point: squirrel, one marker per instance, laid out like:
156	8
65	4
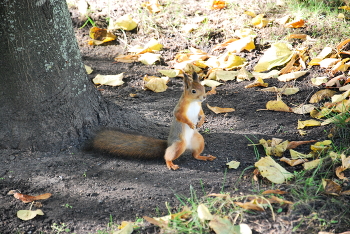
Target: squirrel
183	133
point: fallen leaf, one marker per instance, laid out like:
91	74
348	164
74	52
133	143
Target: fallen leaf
275	191
233	164
149	58
231	61
277	55
226	75
161	222
211	83
243	74
127	58
294	144
321	94
308	123
27	198
28	214
328	62
111	80
270	74
125	22
319	80
171	73
88	69
340	174
250	206
218	110
340	97
331	188
224	226
323	54
100	36
312	164
156	84
272	171
321	146
291	76
204	213
258	82
297	155
152	6
245	43
218	5
125	228
245	32
299	23
303	109
318	114
260	21
278	105
292	162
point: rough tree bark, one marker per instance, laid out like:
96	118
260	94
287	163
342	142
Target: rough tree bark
47	102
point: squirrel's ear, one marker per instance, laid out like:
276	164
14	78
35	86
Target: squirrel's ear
195	76
187	81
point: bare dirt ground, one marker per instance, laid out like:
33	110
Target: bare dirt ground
91	188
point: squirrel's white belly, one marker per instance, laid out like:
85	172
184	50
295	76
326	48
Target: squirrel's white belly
192	113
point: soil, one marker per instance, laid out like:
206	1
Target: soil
89	188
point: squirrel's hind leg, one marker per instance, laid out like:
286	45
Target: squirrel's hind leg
198	147
173	152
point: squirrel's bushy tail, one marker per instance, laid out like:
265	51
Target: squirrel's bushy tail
129	145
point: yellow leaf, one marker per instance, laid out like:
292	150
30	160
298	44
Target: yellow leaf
312	164
328	62
277	55
347	8
258	82
278	105
28	214
111	80
245	32
154	45
230	61
297	155
246	43
218	110
250	13
225	75
126	228
324	53
243	74
321	94
340	97
270	74
260	21
272	171
149	58
320	114
204	213
211	83
345	161
125	22
233	164
156	84
218	5
88	69
171	73
303	109
291	76
308	123
319	80
321	146
152	6
127	58
225	226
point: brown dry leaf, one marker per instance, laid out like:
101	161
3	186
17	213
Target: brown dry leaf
294	144
275	199
160	223
331	188
335	81
127	58
212	91
100	36
218	110
224	196
27	198
292	162
218	5
275	191
322	94
341	45
152	6
250	206
298	36
299	23
340	174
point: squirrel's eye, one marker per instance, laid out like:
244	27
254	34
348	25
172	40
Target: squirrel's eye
194	91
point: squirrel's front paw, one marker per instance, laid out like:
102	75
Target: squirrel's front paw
192	126
171	165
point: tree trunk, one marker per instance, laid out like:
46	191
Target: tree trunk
47	102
